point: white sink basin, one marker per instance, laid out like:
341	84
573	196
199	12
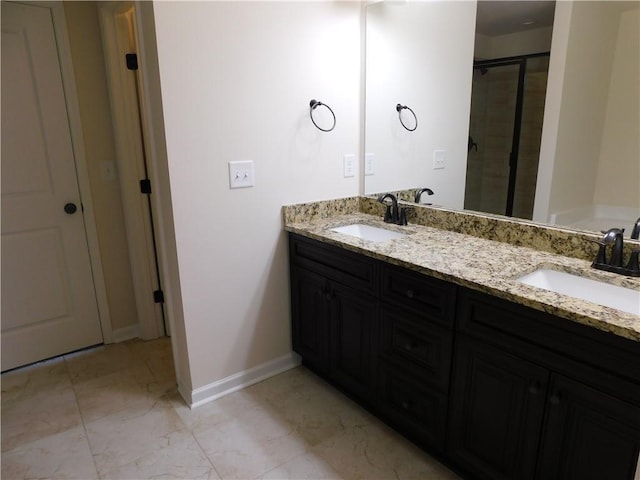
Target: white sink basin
369	233
602	293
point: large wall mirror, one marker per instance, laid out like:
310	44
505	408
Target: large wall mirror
523	108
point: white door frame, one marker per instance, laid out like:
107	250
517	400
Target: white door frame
130	127
77	140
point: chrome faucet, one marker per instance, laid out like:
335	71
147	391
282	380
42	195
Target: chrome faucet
393	213
420	192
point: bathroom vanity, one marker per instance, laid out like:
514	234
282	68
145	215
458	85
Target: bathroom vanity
432	334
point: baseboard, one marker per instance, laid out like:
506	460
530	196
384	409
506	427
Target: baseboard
240	380
125	333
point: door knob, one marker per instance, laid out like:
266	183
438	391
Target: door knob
70	208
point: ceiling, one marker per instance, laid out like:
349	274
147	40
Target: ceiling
502	17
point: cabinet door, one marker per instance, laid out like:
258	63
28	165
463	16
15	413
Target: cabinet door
309	318
588	435
353	329
497	409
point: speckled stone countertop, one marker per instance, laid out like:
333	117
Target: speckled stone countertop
467	260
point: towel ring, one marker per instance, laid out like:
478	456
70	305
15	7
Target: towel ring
399	109
315	103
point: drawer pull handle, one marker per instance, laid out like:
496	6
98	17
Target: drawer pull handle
534	388
410	294
406	405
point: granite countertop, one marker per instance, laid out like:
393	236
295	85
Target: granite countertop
478	263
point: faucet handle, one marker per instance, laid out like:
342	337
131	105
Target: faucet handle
635	231
633	267
387	213
402	220
601	257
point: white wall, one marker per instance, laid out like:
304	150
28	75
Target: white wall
419	54
618	176
584	46
236	80
536	40
161	199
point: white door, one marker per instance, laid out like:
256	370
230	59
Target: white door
48	299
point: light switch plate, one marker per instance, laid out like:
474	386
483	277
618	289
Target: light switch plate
241	174
368	163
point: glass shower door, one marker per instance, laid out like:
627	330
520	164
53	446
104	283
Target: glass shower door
507	107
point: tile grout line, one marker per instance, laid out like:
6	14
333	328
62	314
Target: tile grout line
84	425
202	449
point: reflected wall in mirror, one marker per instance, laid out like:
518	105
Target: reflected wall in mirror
589	171
421	54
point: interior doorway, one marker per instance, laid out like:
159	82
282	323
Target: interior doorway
49	297
121	46
23	292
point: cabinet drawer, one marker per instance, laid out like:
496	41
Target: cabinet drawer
415	343
427	296
412	409
346	267
502	322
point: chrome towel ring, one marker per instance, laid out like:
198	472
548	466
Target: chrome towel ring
399	109
312	106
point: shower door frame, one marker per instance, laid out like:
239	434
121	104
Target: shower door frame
521	61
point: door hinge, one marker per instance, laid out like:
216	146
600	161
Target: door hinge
132	61
158	296
145	186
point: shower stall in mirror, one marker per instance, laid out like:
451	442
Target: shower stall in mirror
505	129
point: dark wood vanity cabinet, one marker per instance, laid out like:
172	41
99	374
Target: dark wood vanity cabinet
414	354
352	329
538	397
310	311
496	412
501	391
384	334
587	434
334	312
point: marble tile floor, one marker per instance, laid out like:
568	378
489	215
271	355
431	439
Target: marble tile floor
114	412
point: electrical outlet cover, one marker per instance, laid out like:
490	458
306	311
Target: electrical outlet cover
368	164
349	164
439	158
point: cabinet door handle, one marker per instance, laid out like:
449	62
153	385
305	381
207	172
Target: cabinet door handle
410	293
534	388
555	398
406	405
409	346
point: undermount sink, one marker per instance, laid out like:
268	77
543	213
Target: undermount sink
602	293
368	232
